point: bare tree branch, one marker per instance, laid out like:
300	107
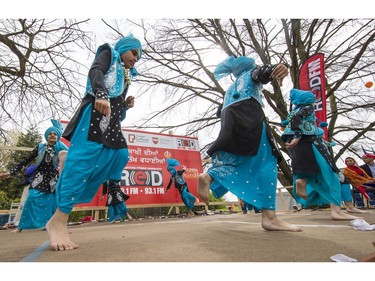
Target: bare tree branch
40	75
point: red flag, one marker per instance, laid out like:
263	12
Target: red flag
312	78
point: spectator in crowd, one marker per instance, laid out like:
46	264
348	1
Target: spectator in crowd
360	179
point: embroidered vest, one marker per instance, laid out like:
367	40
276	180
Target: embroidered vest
42	151
243	88
114	77
307	127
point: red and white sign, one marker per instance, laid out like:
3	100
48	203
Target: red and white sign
312	78
146	177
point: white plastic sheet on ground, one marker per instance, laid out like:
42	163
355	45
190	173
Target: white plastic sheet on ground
361	224
342	258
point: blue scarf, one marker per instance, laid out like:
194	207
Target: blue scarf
237	66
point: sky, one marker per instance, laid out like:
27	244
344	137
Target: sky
193	8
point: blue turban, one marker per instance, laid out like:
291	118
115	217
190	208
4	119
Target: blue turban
299	97
171	164
237	66
57	128
126	44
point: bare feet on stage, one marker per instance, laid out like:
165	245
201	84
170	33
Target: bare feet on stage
58	232
204	182
301	188
190	213
16	230
271	222
130	218
337	214
355	210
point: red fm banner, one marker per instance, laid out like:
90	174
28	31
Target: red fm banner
146	177
312	78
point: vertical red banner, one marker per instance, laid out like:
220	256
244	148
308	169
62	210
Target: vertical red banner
312	78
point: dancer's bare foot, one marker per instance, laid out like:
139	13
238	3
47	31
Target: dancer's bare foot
355	210
350	208
204	182
343	216
16	230
301	188
337	214
190	214
271	222
58	232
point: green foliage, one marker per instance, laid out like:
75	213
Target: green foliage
4	201
78	216
214	199
30	139
11	186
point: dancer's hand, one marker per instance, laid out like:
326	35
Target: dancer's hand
279	73
129	102
103	106
292	144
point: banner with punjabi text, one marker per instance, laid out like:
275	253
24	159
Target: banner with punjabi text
145	177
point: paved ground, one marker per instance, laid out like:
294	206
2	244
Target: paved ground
215	238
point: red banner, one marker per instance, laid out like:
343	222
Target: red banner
312	78
146	177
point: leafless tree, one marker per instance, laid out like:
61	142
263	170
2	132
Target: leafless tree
39	70
177	71
178	64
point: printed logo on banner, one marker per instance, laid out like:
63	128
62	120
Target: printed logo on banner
186	144
131	138
141	178
138	139
167	154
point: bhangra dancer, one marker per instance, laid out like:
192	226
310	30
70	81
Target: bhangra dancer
244	156
315	175
179	182
98	150
40	202
116	198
